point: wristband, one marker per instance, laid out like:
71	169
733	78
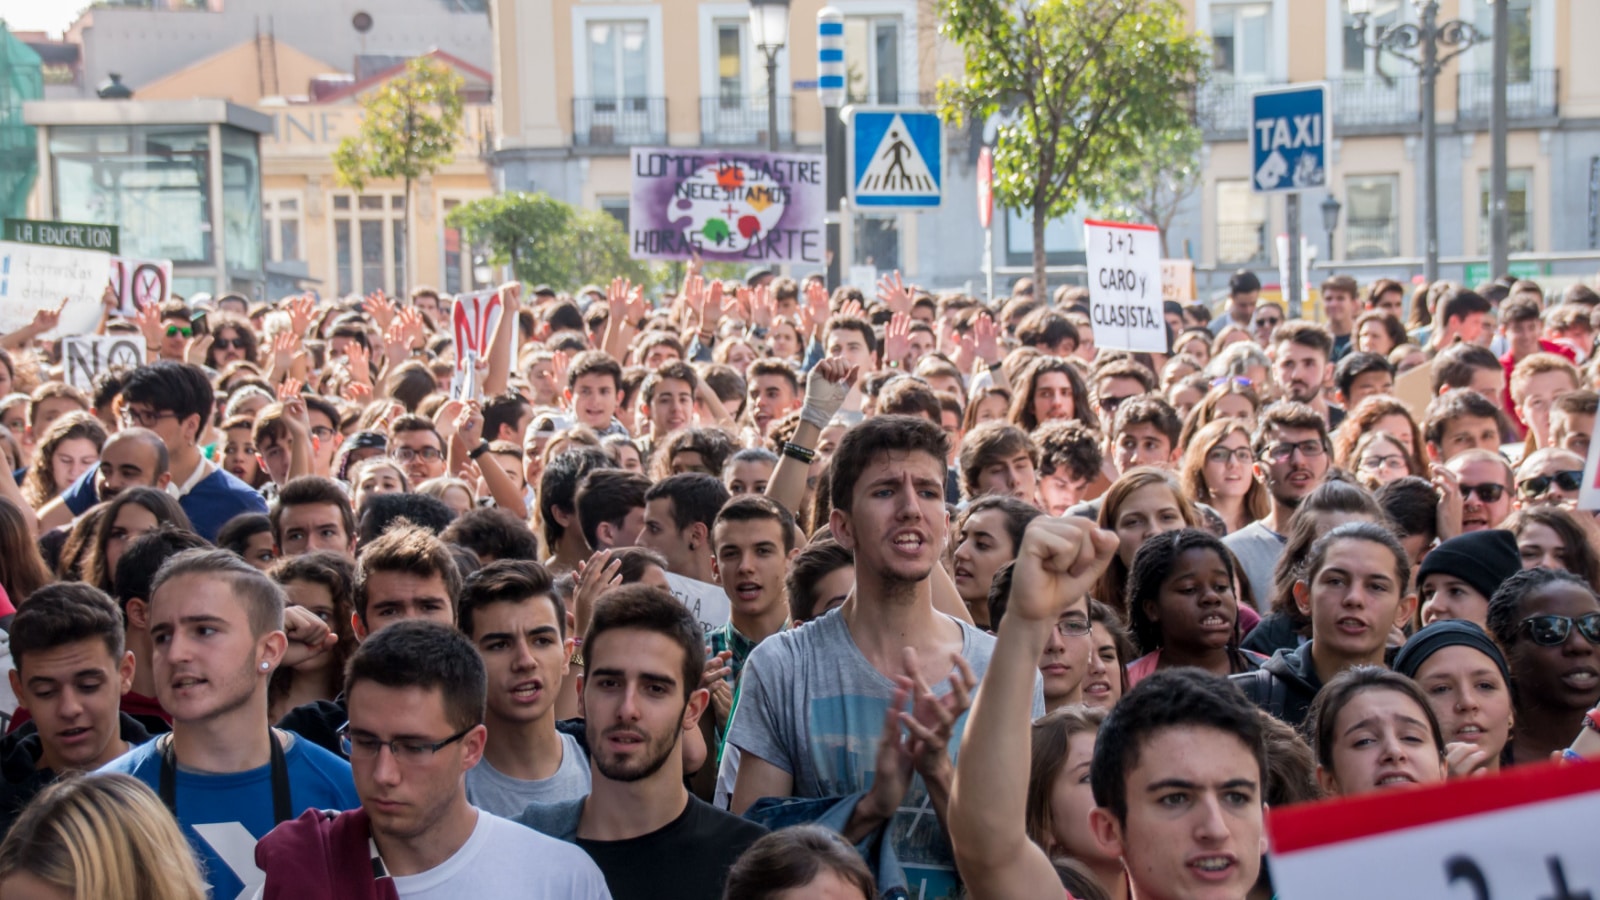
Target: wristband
1570	755
481	449
795	451
997	365
1591	720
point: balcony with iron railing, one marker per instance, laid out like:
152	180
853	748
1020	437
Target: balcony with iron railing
1519	233
741	120
1222	108
1375	101
1241	244
1375	238
615	122
1535	96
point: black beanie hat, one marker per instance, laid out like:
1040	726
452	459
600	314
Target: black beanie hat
1483	559
1447	633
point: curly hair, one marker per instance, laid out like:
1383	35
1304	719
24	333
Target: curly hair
1153	566
1364	418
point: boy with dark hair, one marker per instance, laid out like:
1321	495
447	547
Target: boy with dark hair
753	538
669	394
505	417
1339	306
558	507
381	511
1459	420
594	389
774	391
1473	367
415	443
1460	318
417	696
640	694
655	349
1572	421
511	612
1244	289
1361	375
1145	433
999	458
70	671
678	515
1302	352
283	443
175	401
492	533
908	395
1049	332
313	513
217	628
1411	505
1069	460
136	572
610	506
1116	381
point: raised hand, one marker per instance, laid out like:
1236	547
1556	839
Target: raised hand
149	321
595	575
853	309
986	339
892	293
1058	562
195	349
357	393
827	385
469	424
815	311
358	360
302	310
1448	518
763	308
897	339
381	308
47	319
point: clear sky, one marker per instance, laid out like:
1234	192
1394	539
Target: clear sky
41	15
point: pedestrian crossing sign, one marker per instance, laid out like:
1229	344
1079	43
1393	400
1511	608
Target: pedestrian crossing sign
896	158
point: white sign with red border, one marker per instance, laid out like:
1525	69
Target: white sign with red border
1125	286
1589	493
1526	834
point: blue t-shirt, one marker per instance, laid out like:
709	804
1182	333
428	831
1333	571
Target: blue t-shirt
217	498
224	815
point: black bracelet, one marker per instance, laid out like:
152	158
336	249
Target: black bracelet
997	365
795	451
481	449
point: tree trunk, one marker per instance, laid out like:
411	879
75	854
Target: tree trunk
1040	290
405	241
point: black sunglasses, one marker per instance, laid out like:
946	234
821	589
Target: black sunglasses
1488	492
1569	480
1552	631
229	343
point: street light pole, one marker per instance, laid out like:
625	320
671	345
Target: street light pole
1426	37
1499	226
769	25
772	98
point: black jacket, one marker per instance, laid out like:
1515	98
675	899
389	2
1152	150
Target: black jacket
21	779
1285	685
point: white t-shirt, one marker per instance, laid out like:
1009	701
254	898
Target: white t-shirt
504	859
708	602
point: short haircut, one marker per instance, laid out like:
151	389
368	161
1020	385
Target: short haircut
55	390
1456	404
65	613
650	340
856	324
142	559
1521	309
1306	334
1357	364
1582	402
263	599
988	444
712	443
1342	283
309	490
380	512
1460	304
695	496
607	495
907	395
864	442
411	550
815	561
1124	368
1243	282
269	426
166	386
1149	409
792	859
756	508
235	534
426	655
773	367
1538	364
1456	364
1478	454
148	438
415	423
1170	698
492	533
644	608
1046	328
594	362
558	487
1287	414
1070	445
1411	506
563	316
508	581
503	409
677	371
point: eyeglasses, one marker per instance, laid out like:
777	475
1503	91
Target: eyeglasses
1073	627
1268	323
175	330
405	752
143	419
229	343
1569	480
406	454
1392	462
321	432
1221	456
1552	631
1283	452
1488	492
1235	379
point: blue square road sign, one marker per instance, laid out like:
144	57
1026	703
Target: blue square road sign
1289	133
896	158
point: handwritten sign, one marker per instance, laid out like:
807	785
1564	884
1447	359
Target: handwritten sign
727	207
35	277
475	318
1125	286
139	283
1520	835
87	357
1177	280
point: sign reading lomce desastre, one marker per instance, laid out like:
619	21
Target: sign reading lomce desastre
726	206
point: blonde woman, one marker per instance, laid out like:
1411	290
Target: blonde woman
98	837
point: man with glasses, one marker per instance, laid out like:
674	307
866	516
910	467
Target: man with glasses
1551	476
1291	451
1484	478
418	447
416	727
173	400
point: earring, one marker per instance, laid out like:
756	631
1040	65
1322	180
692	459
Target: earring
266	666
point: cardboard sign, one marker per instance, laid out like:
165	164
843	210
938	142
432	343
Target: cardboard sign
1589	494
86	357
1526	834
1125	286
35	277
139	283
1177	280
729	206
1415	390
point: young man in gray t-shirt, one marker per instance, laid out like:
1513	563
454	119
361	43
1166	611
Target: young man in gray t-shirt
823	705
510	611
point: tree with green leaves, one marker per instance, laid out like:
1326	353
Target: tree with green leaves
409	129
546	241
1152	185
1078	84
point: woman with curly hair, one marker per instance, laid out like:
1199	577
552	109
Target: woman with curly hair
1379	413
1218	469
1051	389
232	340
71	446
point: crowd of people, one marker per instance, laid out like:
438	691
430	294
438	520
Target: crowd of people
757	590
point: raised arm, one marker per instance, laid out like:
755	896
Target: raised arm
504	339
1059	560
826	387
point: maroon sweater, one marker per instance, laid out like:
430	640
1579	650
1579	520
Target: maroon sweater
322	855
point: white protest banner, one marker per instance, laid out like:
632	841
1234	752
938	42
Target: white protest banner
1524	834
35	277
139	283
475	318
1177	280
1125	286
86	357
1589	494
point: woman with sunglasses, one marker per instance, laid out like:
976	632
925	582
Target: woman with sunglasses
232	340
1555	538
1548	623
1266	320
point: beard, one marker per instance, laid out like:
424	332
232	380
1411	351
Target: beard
657	749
